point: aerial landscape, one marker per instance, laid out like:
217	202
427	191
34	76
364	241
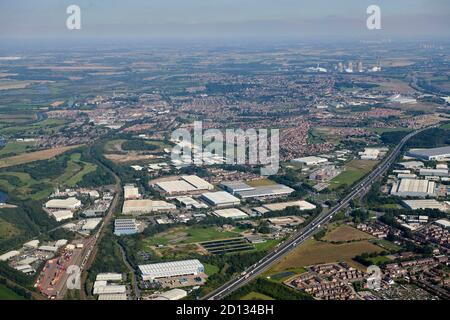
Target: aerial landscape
228	169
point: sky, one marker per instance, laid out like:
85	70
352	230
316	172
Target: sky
224	19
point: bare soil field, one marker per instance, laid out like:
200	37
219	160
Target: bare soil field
317	252
345	233
34	156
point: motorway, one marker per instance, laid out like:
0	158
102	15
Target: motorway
301	236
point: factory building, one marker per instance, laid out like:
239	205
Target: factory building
154	271
174	294
125	227
231	213
414	188
131	192
300	204
443	223
62	215
189	203
220	199
146	206
91	224
437	154
235	186
109	277
63	204
186	185
266	192
310	161
424	204
434	172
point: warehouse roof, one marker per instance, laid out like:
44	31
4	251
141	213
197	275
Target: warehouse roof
431	152
63	203
220	197
301	204
171	269
232	213
197	182
266	191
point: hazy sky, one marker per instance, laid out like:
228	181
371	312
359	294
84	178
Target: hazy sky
224	18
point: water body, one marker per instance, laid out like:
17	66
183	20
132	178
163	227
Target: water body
3	197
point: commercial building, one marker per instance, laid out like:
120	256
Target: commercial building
220	199
300	204
265	192
231	213
113	296
310	161
414	188
235	186
434	172
370	153
62	215
63	204
91	224
174	294
185	185
412	164
9	255
146	206
109	277
131	192
430	154
110	289
154	271
424	204
125	227
189	203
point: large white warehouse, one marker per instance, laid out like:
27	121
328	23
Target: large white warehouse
154	271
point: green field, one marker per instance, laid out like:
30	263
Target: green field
15	148
354	171
256	296
386	244
24	186
8	294
184	235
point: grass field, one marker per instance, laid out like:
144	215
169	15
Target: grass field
183	235
346	233
34	156
7	230
386	244
8	294
14	148
354	171
256	296
316	252
24	186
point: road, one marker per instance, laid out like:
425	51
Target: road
98	236
304	234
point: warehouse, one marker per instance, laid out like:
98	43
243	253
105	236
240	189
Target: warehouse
414	188
300	204
125	227
189	203
424	204
185	185
63	204
434	172
61	215
220	199
146	206
231	213
266	192
235	186
154	271
9	255
91	224
109	277
113	296
131	192
174	294
310	161
430	154
110	289
198	182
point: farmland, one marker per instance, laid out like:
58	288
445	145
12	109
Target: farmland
316	252
346	233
